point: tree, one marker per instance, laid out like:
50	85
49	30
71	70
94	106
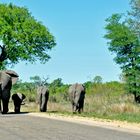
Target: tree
22	37
134	16
57	83
123	33
97	79
38	81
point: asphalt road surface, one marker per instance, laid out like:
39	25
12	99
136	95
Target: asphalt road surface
26	127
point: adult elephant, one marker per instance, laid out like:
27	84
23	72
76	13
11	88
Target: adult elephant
77	96
7	79
42	97
18	99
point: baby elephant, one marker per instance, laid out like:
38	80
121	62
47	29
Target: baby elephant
18	99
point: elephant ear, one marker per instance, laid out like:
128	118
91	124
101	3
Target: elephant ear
13	75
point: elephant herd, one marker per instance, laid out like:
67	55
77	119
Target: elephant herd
8	78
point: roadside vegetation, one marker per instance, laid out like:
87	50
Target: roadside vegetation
108	100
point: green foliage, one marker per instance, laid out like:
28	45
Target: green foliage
97	79
60	94
134	16
103	100
58	91
23	37
88	85
29	89
113	88
125	43
38	81
57	83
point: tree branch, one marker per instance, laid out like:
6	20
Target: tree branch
3	55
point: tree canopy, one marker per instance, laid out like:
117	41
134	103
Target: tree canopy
22	37
97	79
123	33
39	81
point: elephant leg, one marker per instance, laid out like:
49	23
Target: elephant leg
81	105
17	108
43	108
77	108
5	106
44	104
0	106
74	107
40	101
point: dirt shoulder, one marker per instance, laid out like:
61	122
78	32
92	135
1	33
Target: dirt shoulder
116	125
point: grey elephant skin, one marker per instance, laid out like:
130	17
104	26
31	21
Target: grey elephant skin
7	79
18	99
42	98
77	96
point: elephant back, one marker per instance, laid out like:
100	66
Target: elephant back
42	90
76	92
5	80
45	90
14	76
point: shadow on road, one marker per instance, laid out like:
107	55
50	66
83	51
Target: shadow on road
14	114
17	113
52	112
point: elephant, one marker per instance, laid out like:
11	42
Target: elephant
42	97
18	99
77	96
7	79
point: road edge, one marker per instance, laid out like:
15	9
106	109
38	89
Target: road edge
108	124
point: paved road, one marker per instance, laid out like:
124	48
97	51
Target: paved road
26	127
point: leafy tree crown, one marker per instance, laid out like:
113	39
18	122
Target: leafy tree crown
22	37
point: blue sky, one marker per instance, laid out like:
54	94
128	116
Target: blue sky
78	26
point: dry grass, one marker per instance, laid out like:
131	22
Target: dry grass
120	107
51	107
93	103
113	104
